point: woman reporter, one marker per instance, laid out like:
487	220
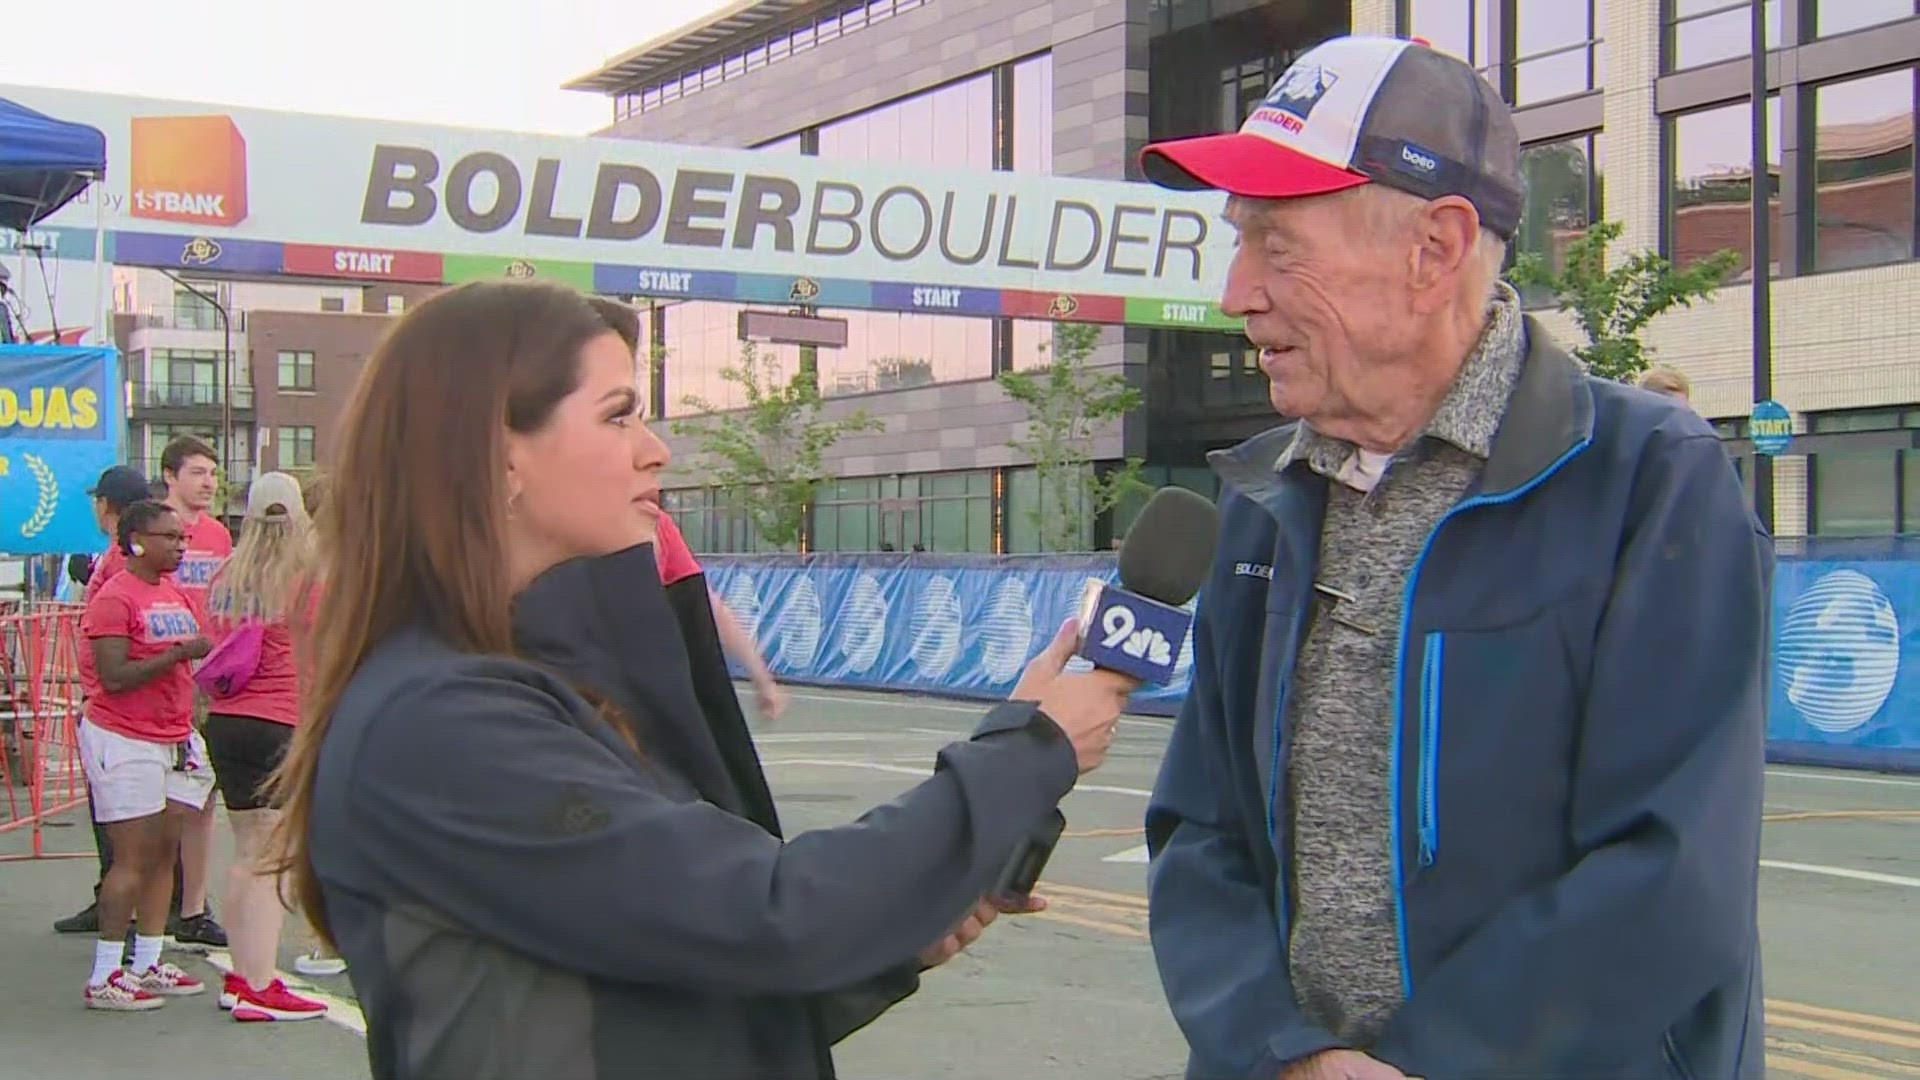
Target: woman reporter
542	849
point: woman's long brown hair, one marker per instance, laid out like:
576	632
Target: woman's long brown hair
412	530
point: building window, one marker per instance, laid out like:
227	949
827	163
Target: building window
1867	492
1025	497
295	447
187	378
845	19
191	311
950	126
950	512
333	304
296	370
1456	27
1708	31
1557	49
1863	193
713	521
956	511
1840	16
1562	182
1033	115
1709	176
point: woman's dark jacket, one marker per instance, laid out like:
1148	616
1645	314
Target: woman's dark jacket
519	894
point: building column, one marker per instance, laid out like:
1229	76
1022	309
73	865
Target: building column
1374	17
1630	143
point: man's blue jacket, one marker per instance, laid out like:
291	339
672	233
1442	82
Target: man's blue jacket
1579	730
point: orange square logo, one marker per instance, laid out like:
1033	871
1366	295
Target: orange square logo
190	169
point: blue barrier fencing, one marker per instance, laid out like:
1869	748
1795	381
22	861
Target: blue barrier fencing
959	625
1846	623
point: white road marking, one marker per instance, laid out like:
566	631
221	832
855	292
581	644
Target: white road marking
1842	872
1844	778
827	737
1131	855
905	770
340	1011
974	710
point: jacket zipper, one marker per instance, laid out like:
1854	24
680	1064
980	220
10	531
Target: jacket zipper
1430	749
1397	814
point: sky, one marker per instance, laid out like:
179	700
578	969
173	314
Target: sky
480	63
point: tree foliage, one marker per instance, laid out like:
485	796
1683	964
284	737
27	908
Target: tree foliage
769	454
1613	305
1065	402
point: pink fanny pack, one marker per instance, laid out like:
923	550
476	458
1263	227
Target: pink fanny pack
230	666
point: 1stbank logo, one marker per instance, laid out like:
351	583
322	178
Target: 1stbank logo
190	169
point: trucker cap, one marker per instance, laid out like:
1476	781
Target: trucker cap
1358	110
121	486
275	495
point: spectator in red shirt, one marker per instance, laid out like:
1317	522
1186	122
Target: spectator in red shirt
677	564
118	488
191	473
147	769
267	583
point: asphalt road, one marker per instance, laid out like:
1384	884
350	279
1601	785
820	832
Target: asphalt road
1070	993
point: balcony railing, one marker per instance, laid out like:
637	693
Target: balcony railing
192	395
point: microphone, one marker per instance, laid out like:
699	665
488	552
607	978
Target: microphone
1136	627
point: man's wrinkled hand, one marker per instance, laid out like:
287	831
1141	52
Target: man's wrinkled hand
1341	1065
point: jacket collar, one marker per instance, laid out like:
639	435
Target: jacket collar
1549	415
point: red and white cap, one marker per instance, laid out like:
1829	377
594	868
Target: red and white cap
1359	110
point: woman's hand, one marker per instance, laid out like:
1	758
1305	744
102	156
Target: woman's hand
1085	705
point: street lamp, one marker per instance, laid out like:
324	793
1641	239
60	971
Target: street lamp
226	367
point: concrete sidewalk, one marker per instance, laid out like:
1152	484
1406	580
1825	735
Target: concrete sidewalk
47	1031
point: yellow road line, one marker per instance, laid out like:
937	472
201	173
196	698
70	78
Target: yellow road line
1848	1057
1050	888
1083	834
1814	1069
1842	1031
1102	925
1821	1011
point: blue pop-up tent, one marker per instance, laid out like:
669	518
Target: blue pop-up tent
44	163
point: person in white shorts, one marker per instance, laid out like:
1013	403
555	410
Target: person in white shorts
147	769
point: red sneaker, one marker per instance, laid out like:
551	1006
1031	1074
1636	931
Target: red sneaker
122	993
230	988
275	1002
165	980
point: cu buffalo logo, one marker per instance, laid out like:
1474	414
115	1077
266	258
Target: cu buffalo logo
1063	307
805	290
199	251
520	268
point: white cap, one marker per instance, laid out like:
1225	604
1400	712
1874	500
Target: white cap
275	495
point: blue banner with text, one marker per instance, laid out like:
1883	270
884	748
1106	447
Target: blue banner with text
961	625
60	427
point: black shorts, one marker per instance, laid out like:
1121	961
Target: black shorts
245	751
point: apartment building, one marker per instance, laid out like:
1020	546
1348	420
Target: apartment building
1632	110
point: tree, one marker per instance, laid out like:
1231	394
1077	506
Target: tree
769	453
1064	402
1613	305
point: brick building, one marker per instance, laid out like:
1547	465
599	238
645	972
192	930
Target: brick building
1632	109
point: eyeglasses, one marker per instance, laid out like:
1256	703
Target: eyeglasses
176	536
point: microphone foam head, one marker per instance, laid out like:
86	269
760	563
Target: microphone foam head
1168	551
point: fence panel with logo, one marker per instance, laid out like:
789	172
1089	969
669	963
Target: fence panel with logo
1846	654
1846	620
961	625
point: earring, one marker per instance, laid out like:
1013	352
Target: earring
513	504
139	550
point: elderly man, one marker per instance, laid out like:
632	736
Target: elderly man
1468	784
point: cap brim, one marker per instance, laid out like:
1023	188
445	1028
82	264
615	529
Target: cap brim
1245	165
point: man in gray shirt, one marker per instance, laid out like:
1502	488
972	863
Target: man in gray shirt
1468	781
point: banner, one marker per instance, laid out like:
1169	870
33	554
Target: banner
57	289
960	625
1846	618
246	190
60	426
